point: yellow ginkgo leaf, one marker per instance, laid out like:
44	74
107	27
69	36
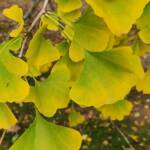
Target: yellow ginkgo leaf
117	13
144	26
106	77
68	5
7	119
144	84
12	86
84	39
40	52
15	13
116	111
52	93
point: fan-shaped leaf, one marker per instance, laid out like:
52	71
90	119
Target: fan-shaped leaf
106	77
75	118
15	13
53	93
90	33
7	119
116	111
117	13
40	52
68	5
12	87
144	84
48	136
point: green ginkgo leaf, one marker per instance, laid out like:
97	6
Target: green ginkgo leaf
68	5
117	111
53	93
75	118
40	52
106	77
48	136
12	87
144	84
90	33
117	13
15	13
143	24
7	119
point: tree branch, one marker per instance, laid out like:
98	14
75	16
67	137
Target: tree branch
122	134
32	26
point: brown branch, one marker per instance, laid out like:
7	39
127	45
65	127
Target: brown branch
32	26
2	137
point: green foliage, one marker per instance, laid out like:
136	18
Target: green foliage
94	65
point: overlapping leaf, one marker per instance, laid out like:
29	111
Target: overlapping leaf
75	118
68	5
116	111
7	119
117	13
48	136
106	77
90	33
144	84
15	13
40	52
12	87
53	93
143	24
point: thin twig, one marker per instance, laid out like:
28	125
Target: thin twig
29	12
32	26
2	137
122	134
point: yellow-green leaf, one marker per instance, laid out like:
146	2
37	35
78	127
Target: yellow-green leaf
117	13
48	136
107	77
116	111
7	119
40	52
15	13
12	87
143	24
53	93
75	118
144	84
90	33
68	5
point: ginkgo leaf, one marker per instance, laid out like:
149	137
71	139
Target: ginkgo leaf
107	77
70	17
7	119
140	48
48	136
144	84
143	24
40	52
117	111
53	93
50	21
117	13
75	118
68	5
74	67
83	38
15	13
12	87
